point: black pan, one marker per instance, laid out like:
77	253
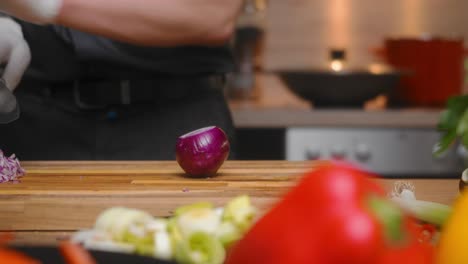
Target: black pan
51	255
325	88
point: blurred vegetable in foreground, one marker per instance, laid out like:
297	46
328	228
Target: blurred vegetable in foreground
453	243
70	252
75	254
463	180
11	256
197	233
336	214
430	212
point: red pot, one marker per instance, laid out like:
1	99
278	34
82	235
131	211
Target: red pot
434	65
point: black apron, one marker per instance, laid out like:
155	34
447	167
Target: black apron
73	104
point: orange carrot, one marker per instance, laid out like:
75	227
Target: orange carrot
75	254
10	256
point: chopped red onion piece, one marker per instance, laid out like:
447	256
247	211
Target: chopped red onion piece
10	168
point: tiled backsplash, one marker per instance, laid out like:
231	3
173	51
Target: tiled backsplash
300	32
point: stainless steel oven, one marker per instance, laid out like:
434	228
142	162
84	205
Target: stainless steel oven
392	152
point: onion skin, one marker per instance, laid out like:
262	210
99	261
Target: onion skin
202	152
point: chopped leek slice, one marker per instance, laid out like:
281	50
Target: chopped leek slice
434	213
227	234
240	212
144	245
117	221
201	205
162	246
200	248
197	233
198	220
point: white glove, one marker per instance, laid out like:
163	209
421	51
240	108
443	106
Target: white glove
36	11
14	52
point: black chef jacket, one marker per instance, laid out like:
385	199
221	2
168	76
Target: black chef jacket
53	126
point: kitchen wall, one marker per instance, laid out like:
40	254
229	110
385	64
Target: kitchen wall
300	32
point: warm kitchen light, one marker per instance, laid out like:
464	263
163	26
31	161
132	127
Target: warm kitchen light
337	59
378	68
336	65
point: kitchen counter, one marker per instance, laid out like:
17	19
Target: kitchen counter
57	198
274	106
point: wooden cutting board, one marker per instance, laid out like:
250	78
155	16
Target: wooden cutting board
67	196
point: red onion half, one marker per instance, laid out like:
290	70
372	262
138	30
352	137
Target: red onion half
201	153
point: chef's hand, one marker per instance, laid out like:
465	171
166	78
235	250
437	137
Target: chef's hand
14	51
36	11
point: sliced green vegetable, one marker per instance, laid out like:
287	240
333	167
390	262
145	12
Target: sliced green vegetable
127	226
198	220
197	233
106	219
240	212
430	212
144	245
200	205
157	225
390	216
174	233
228	233
200	248
135	220
163	246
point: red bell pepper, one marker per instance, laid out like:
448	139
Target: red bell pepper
336	214
416	248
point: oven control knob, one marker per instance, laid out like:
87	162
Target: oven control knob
313	154
362	152
338	152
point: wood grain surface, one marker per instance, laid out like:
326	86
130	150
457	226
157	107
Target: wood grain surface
56	198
